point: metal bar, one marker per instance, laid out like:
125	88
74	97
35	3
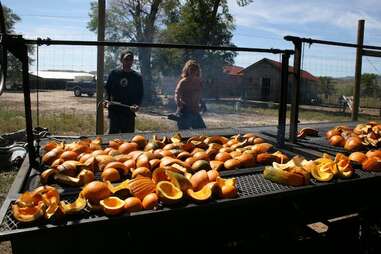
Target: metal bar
283	101
371	53
100	67
356	89
332	43
27	105
154	45
294	117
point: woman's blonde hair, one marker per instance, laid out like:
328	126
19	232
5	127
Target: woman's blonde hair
191	66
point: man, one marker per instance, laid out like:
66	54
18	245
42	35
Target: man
124	86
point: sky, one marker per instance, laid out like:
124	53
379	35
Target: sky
262	24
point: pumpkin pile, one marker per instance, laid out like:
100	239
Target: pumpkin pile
362	136
74	164
129	196
44	202
298	171
30	206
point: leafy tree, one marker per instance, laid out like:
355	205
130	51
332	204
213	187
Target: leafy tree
205	22
133	21
14	66
10	19
14	71
193	21
327	86
369	85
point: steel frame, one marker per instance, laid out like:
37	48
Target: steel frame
298	42
17	45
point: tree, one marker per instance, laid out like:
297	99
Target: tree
205	22
134	21
141	21
14	66
14	70
369	85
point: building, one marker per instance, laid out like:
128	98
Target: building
57	79
262	80
228	84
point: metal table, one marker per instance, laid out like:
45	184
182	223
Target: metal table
269	211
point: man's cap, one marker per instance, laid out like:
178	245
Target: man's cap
126	53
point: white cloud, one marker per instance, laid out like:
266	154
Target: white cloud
63	32
342	14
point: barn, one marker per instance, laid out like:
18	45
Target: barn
262	80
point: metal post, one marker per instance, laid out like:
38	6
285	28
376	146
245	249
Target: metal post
295	92
27	105
100	67
283	101
356	89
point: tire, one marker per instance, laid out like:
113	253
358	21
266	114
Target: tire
90	94
77	92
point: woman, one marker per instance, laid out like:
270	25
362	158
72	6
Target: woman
188	97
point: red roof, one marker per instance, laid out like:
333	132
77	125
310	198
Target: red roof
233	70
304	74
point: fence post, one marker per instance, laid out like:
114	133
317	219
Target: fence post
100	68
27	104
356	89
295	92
283	101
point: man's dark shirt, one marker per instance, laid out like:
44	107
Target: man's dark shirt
124	87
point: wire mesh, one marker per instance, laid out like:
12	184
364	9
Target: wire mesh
330	95
232	99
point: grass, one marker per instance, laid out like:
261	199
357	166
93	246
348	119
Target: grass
69	123
147	124
305	115
64	123
6	179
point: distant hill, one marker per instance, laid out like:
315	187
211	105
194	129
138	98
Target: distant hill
345	78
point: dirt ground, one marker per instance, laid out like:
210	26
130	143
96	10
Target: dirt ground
154	117
65	101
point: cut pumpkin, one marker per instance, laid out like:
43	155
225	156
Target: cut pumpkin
323	173
202	195
179	180
71	208
141	187
168	193
112	205
28	214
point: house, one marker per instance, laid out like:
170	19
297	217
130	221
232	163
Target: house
262	80
57	79
228	84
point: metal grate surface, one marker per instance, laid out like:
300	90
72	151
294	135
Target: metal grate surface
322	145
255	185
250	186
316	143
